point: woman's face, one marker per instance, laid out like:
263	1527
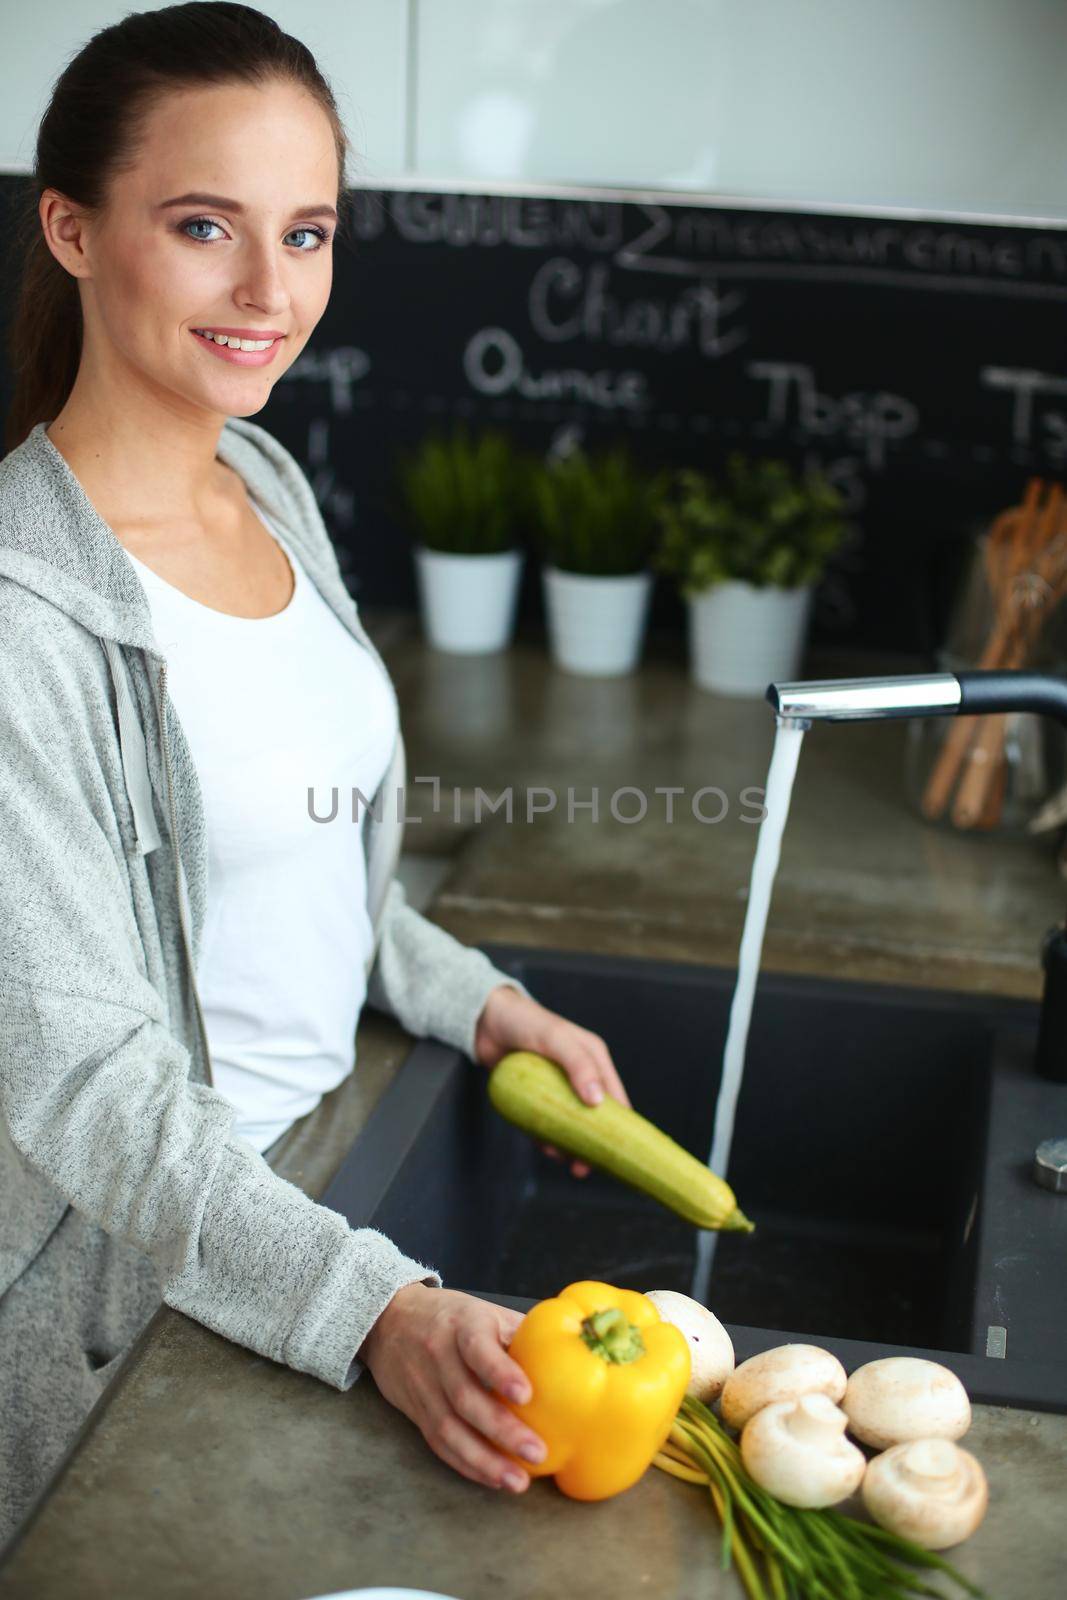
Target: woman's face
258	255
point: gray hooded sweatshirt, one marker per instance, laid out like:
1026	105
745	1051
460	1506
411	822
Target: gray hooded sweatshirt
106	1097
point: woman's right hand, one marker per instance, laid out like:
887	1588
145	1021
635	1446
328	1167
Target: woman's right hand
437	1355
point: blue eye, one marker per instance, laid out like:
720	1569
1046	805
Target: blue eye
320	234
193	222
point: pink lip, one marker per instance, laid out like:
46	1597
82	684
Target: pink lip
240	358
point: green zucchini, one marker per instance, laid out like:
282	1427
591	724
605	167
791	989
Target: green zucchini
536	1095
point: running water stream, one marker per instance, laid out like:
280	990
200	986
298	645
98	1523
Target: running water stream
789	735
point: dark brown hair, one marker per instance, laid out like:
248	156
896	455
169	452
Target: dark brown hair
90	133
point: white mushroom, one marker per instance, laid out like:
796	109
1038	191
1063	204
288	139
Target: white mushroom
798	1451
784	1373
905	1397
711	1349
928	1490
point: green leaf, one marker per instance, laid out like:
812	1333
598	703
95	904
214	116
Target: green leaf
761	522
462	494
595	513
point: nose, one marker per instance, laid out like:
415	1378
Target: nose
263	284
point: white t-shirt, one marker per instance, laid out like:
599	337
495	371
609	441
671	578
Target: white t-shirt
270	707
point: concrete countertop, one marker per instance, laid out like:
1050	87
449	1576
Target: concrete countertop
208	1471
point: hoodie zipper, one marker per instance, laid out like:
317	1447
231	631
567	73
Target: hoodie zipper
177	871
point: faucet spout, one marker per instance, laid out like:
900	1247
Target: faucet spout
857	699
926	694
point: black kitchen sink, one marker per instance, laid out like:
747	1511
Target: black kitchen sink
882	1147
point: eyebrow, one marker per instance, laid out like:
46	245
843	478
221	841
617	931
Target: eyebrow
237	208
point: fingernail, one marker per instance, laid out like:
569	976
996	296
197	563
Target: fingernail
516	1391
532	1452
594	1094
515	1480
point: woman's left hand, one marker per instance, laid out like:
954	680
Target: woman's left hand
513	1021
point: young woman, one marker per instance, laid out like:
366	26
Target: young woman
184	950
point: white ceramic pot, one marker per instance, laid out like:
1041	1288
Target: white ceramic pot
468	601
741	638
596	625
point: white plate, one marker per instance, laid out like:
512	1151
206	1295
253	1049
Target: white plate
384	1594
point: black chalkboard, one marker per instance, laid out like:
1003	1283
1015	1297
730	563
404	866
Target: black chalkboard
919	361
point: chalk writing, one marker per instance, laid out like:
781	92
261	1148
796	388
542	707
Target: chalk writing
567	301
335	499
871	419
848	242
1033	420
494	364
339	367
524	222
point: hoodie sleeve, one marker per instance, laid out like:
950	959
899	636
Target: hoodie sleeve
432	983
95	1086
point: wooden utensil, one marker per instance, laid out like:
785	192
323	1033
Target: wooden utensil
1047	566
1009	537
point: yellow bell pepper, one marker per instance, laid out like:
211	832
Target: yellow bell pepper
607	1375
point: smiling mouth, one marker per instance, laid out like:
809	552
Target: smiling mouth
232	342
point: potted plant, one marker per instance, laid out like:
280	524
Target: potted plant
594	519
746	552
460	495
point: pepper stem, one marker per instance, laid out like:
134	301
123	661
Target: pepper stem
612	1337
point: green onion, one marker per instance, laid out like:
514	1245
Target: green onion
783	1552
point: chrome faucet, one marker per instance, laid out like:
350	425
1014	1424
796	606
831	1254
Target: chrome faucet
925	694
933	694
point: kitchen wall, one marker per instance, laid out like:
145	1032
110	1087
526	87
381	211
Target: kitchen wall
734	152
951	106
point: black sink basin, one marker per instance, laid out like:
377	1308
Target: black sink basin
882	1147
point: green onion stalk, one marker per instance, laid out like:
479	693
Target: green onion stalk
783	1552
